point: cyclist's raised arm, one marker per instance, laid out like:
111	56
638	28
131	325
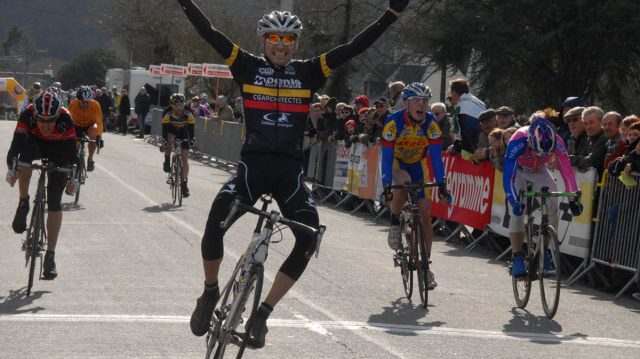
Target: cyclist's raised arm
564	165
514	150
367	37
215	38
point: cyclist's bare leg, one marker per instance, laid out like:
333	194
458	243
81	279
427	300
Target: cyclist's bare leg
54	222
23	181
516	238
281	285
92	132
399	195
211	269
425	214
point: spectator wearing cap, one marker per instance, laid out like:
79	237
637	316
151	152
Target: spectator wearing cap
611	126
439	110
382	110
506	118
578	138
488	123
562	127
466	127
360	102
350	133
593	153
395	96
223	111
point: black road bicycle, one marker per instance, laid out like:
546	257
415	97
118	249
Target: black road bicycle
36	239
81	173
174	178
538	239
247	278
413	256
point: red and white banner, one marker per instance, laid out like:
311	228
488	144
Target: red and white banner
471	187
155	69
194	69
215	70
174	70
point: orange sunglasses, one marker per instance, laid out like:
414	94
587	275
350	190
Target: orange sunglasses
286	39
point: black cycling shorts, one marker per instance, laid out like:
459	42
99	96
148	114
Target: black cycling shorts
82	130
262	174
179	134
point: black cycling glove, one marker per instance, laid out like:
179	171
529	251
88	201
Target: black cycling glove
575	207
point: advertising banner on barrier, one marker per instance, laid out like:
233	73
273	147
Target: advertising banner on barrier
353	172
368	172
341	168
574	233
471	187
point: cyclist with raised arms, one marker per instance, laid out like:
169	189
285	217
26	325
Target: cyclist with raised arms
44	130
527	154
178	123
276	92
87	118
407	137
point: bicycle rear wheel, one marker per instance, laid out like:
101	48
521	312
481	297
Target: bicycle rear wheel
422	266
522	286
550	278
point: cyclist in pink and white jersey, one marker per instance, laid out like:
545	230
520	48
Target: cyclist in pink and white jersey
527	154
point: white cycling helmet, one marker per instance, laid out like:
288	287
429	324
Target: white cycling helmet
85	93
279	22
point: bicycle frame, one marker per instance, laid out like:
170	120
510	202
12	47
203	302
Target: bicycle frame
247	276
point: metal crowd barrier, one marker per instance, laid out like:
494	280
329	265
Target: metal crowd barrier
616	239
217	140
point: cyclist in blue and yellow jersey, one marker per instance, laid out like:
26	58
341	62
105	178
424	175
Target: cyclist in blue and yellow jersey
276	92
178	123
44	130
87	118
408	136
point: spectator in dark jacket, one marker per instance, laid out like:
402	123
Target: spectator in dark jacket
611	126
439	110
351	133
578	138
623	145
631	160
595	150
106	104
124	110
142	104
560	122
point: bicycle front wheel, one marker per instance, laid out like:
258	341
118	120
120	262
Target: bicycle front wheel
229	334
550	271
422	264
522	286
174	180
179	178
259	276
403	258
33	239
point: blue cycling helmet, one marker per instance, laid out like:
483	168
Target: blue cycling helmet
542	136
416	89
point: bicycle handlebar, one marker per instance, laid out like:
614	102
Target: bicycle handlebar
414	185
544	192
274	217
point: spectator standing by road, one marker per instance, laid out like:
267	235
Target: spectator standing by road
124	111
578	138
488	123
439	110
593	153
467	108
395	96
506	118
611	124
142	104
223	112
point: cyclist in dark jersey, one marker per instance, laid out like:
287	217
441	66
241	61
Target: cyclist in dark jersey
44	130
276	93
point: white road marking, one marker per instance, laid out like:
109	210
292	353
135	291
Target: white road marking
337	325
292	293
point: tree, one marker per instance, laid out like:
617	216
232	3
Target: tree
532	54
89	68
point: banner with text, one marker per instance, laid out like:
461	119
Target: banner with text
174	70
471	187
216	70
